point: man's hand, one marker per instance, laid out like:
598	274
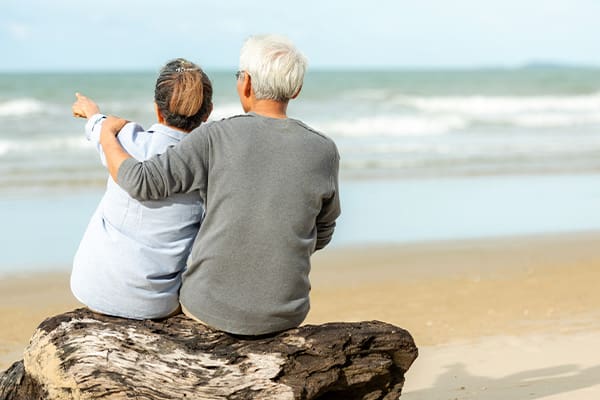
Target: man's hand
112	125
113	151
84	107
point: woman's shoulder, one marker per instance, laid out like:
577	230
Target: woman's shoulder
135	140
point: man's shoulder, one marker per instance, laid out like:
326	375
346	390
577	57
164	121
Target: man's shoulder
313	130
209	127
234	119
211	131
317	135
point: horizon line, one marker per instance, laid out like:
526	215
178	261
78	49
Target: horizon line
327	68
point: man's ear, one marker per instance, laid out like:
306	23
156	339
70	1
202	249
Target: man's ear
247	85
297	93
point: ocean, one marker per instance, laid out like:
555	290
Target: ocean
425	154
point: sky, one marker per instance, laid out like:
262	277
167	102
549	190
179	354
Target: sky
69	35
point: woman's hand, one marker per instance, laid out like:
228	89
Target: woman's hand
84	107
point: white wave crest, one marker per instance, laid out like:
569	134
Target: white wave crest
43	145
367	94
485	106
394	125
4	148
555	120
132	105
225	110
20	107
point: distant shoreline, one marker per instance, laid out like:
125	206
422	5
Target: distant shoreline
535	65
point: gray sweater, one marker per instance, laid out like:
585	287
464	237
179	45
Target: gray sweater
270	188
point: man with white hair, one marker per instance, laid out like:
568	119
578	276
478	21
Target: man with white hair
270	187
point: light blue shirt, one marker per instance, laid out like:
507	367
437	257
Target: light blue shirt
130	260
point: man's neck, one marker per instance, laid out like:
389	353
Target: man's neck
270	108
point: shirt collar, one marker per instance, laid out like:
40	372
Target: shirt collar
168	131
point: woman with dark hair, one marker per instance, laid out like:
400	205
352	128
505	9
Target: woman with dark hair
130	260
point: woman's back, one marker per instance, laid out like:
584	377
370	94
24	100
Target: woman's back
130	260
131	257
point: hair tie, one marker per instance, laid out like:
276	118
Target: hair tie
181	69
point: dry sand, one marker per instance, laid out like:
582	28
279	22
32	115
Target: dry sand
515	318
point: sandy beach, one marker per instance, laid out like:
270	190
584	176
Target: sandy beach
514	318
510	318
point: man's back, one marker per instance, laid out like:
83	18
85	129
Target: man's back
267	181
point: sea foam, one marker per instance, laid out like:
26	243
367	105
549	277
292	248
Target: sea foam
478	106
225	110
20	107
393	125
37	145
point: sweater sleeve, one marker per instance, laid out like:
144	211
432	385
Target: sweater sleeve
131	137
181	169
330	209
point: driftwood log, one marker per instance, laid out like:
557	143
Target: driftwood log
84	355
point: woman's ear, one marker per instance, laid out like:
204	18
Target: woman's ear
205	117
159	116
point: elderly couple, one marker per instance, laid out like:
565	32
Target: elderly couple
216	219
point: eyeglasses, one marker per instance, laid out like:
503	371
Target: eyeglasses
239	74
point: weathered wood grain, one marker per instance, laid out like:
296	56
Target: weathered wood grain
84	355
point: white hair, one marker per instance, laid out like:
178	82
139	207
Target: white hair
275	66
